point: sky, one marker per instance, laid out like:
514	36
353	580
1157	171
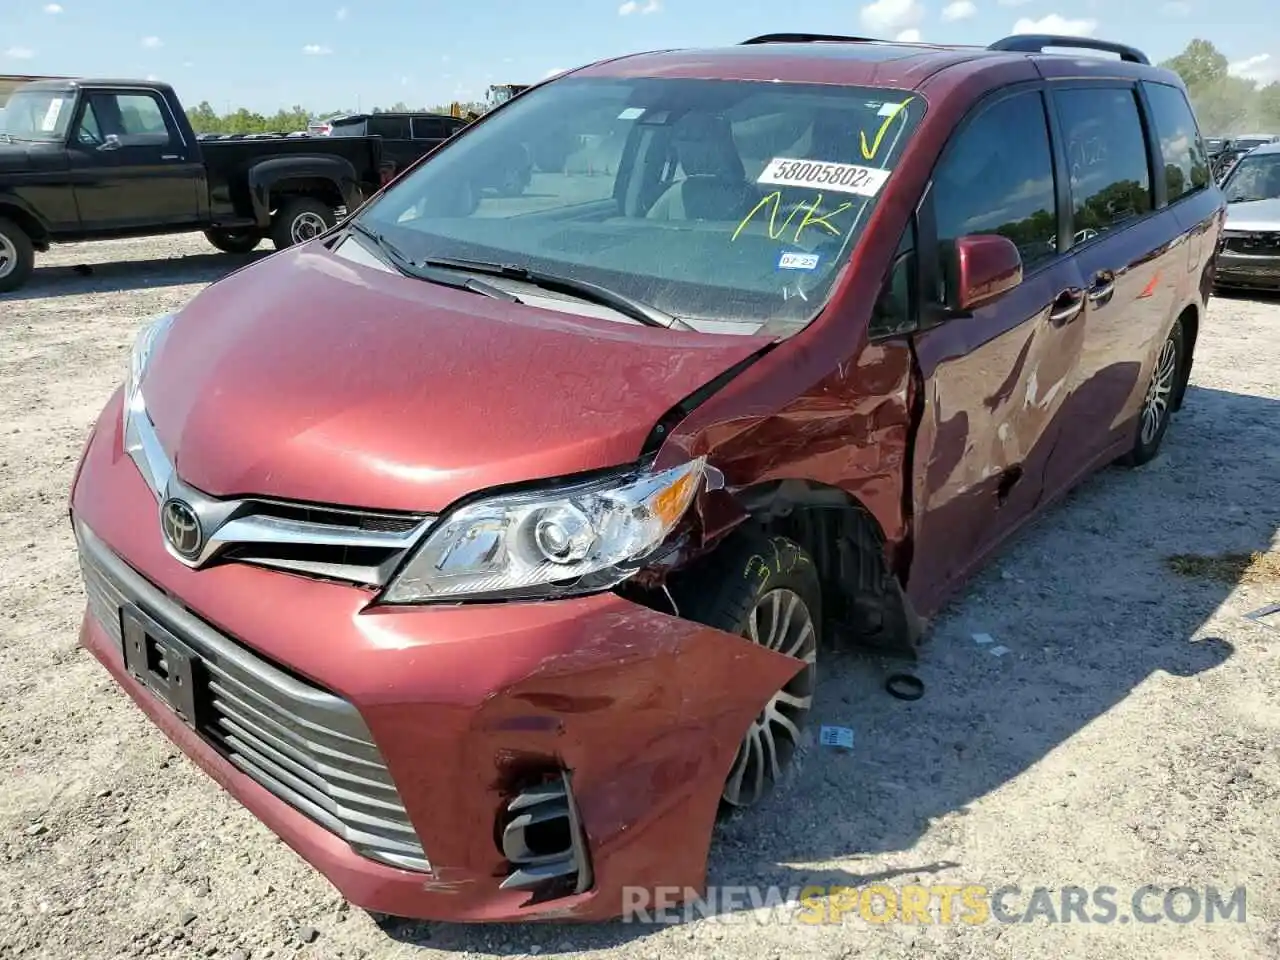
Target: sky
355	54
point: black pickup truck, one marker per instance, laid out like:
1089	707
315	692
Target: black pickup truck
89	160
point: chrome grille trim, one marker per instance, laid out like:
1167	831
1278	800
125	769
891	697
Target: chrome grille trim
307	746
358	546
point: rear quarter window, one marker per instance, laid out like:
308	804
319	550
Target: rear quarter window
1186	161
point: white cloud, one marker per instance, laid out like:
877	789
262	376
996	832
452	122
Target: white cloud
909	36
1176	8
634	6
555	72
887	16
959	10
53	8
316	50
152	78
1261	69
20	53
1057	24
341	14
152	43
1013	3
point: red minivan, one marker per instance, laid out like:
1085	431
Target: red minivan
485	546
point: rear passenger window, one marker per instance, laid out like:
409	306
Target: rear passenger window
391	128
1186	165
1107	154
428	129
997	177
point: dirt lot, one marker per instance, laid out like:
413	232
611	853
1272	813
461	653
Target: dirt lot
1129	736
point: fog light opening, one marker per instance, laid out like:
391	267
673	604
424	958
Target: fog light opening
541	837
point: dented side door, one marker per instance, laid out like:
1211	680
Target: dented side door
992	382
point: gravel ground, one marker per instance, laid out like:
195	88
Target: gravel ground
1129	736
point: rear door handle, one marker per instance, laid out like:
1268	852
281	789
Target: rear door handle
1104	284
170	156
1067	306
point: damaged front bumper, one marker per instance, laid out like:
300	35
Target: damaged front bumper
491	762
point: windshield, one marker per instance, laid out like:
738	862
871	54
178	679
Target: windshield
1256	177
42	116
729	203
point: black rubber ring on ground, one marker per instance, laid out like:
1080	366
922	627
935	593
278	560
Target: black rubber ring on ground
904	686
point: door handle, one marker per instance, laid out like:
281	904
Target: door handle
170	156
1104	284
1067	306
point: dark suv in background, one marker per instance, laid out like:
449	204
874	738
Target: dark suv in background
405	136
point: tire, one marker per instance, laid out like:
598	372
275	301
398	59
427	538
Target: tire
299	219
1159	401
17	256
751	581
234	241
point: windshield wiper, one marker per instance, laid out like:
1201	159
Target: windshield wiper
402	262
1245	198
646	313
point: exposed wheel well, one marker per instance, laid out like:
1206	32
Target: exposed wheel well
863	601
29	224
318	188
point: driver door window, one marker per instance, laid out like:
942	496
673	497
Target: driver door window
985	186
89	130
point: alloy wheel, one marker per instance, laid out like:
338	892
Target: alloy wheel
781	621
1155	407
307	226
8	256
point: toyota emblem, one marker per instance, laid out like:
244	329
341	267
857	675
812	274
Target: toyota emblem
181	528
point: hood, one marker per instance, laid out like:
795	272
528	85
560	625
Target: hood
309	377
1254	215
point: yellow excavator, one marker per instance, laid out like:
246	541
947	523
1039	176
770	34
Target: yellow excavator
496	95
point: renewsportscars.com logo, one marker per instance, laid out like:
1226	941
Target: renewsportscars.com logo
970	904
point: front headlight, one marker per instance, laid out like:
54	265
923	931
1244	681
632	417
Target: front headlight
148	337
576	539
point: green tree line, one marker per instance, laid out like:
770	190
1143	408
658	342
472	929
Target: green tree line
204	119
1225	104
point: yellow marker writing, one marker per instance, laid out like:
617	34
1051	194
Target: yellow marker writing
869	152
812	217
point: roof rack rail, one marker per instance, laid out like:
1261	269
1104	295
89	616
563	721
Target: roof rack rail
1039	42
806	38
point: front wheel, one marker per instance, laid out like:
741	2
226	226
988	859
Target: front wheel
766	590
1157	404
234	241
17	256
299	220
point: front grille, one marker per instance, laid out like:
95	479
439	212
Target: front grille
1254	243
335	543
307	746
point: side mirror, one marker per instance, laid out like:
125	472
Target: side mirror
112	142
987	266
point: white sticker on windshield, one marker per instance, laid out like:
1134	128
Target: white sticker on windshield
798	261
631	113
891	109
50	121
840	177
